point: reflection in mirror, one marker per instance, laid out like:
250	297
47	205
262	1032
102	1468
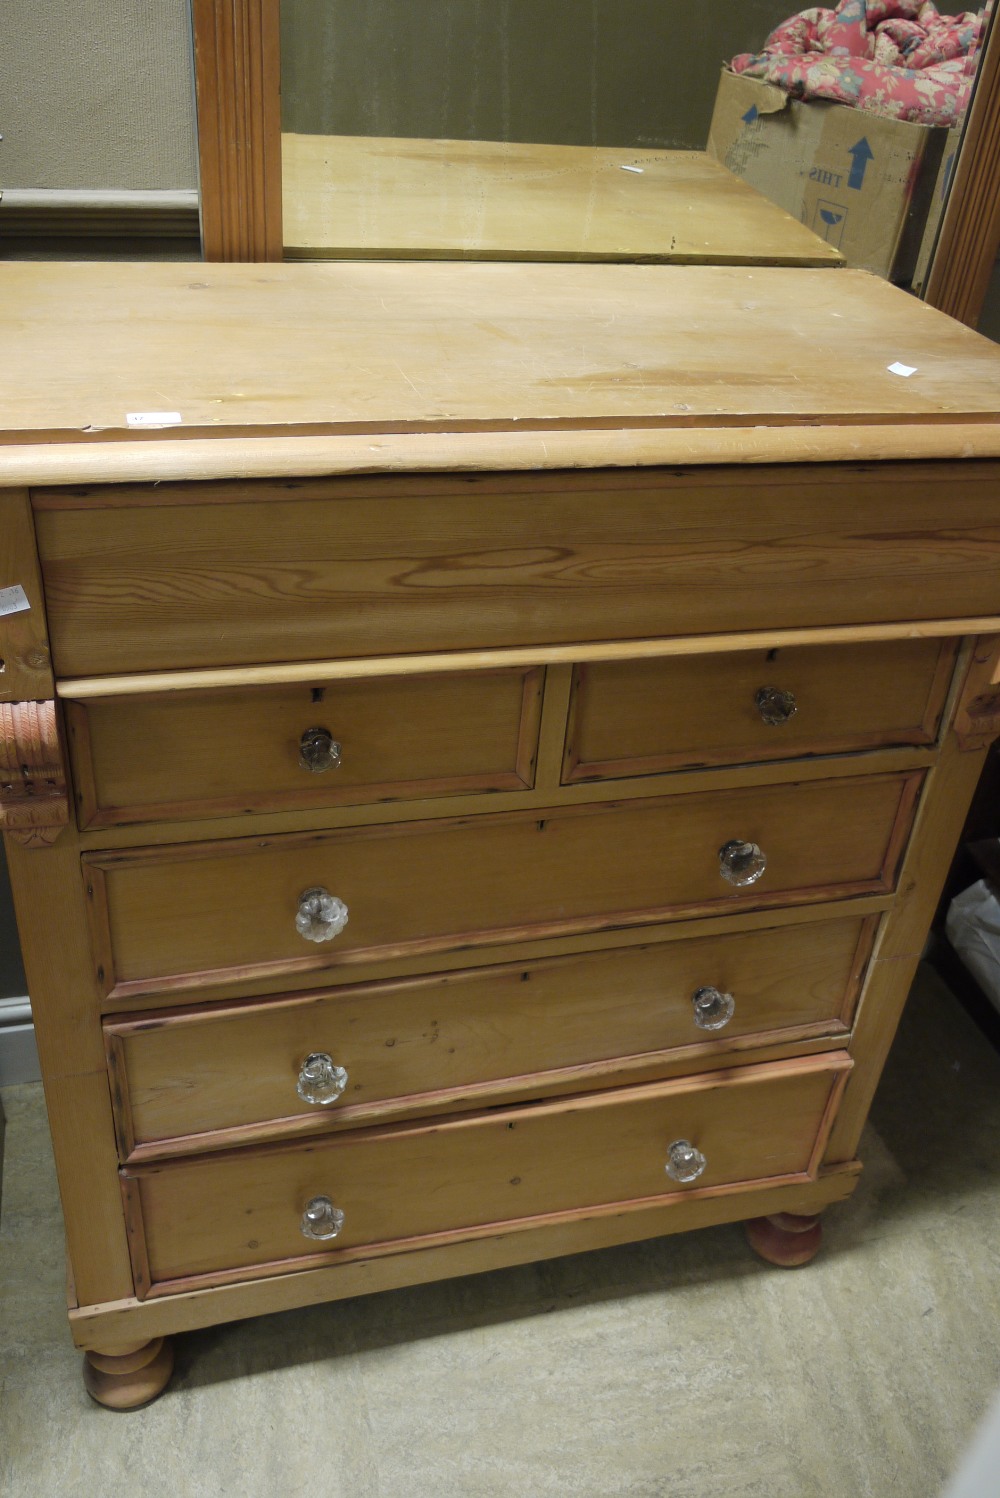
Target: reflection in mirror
608	130
551	130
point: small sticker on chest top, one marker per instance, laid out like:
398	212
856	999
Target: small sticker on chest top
153	418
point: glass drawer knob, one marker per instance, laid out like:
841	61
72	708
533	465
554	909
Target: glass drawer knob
741	863
712	1008
320	916
684	1162
774	705
321	1081
319	751
321	1219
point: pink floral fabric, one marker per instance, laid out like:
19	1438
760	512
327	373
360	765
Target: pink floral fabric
900	58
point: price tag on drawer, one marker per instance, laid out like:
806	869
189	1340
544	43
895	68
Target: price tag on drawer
13	600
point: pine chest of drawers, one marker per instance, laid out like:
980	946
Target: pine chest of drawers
481	750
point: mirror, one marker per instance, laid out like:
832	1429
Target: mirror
568	131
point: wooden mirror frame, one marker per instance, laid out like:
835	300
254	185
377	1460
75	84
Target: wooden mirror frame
238	86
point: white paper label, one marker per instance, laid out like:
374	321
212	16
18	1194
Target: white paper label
153	418
639	169
902	369
13	600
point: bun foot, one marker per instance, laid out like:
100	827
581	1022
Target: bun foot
128	1380
785	1239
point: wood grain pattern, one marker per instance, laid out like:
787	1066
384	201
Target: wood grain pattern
382	348
238	86
516	951
159	923
118	1323
100	464
445	1178
638	718
969	237
167	758
462	1040
34	802
25	667
351	197
228	678
977	721
65	1010
202	460
361	569
515	470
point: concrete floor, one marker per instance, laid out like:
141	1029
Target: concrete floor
681	1368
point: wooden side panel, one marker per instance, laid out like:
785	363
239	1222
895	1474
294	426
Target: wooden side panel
640	717
34	805
385	567
395	1186
448	1038
195	917
65	1006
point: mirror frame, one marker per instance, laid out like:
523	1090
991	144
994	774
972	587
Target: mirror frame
237	51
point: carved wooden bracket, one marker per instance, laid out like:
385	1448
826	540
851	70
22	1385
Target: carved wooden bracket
977	721
34	804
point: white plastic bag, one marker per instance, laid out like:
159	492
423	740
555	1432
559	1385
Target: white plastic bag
973	928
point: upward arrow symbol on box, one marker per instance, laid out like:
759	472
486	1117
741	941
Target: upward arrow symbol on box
860	156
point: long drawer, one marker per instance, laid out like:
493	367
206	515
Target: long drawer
200	915
401	1186
198	754
451	1040
141	579
640	717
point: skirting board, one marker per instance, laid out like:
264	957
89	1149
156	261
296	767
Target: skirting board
18	1053
50	212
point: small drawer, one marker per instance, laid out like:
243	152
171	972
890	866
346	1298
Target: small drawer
456	1040
261	909
641	717
390	1189
199	754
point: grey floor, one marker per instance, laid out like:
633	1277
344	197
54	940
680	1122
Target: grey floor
683	1367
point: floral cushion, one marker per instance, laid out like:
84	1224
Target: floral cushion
900	58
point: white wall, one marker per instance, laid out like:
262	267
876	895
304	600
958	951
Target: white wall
96	94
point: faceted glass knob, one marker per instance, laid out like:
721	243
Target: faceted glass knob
712	1008
319	751
320	916
774	705
741	863
684	1162
321	1081
321	1219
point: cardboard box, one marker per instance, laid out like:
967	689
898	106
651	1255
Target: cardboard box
862	182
